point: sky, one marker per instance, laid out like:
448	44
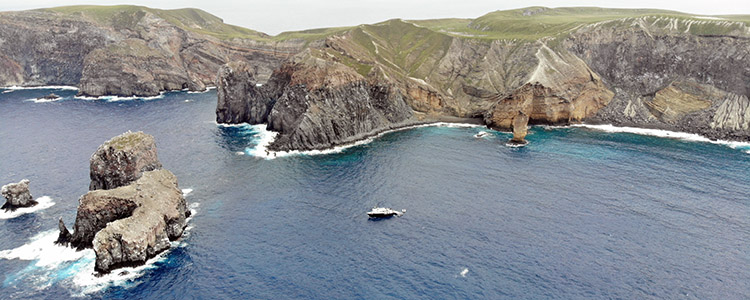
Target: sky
276	16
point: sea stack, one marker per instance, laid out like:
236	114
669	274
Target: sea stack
17	195
520	121
134	209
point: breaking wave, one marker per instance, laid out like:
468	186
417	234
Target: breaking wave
745	146
203	91
51	263
265	137
42	100
42	203
119	98
44	87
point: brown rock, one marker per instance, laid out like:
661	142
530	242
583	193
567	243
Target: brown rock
159	216
520	122
122	160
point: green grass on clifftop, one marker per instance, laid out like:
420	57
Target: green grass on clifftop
525	24
189	19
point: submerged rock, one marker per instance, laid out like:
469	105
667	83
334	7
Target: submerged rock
138	212
51	96
122	160
17	195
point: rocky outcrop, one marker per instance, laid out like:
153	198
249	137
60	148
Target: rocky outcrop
134	208
235	84
314	104
128	50
520	122
122	159
17	195
149	214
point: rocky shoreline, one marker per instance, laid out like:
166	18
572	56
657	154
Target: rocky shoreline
613	72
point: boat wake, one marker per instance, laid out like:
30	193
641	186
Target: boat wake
42	203
744	146
51	264
265	137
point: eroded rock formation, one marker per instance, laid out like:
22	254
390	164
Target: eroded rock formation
17	195
520	123
313	104
134	208
122	159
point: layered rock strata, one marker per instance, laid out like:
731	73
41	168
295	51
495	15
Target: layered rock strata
643	71
17	195
128	50
312	103
520	122
138	214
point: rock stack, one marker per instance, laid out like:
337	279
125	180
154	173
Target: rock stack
17	195
134	208
519	123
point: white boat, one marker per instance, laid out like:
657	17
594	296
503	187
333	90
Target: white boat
481	134
384	212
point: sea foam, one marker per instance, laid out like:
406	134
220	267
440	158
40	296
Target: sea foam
119	98
51	263
42	203
203	91
43	100
668	134
44	87
266	137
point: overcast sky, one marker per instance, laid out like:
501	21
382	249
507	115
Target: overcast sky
275	16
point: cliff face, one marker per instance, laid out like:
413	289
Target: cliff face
312	103
666	77
128	50
642	68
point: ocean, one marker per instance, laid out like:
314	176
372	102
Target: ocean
580	212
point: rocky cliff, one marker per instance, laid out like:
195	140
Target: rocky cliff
312	103
128	50
645	68
133	210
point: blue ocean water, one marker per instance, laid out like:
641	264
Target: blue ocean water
578	213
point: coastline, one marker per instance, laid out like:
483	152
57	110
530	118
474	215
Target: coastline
267	137
692	137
